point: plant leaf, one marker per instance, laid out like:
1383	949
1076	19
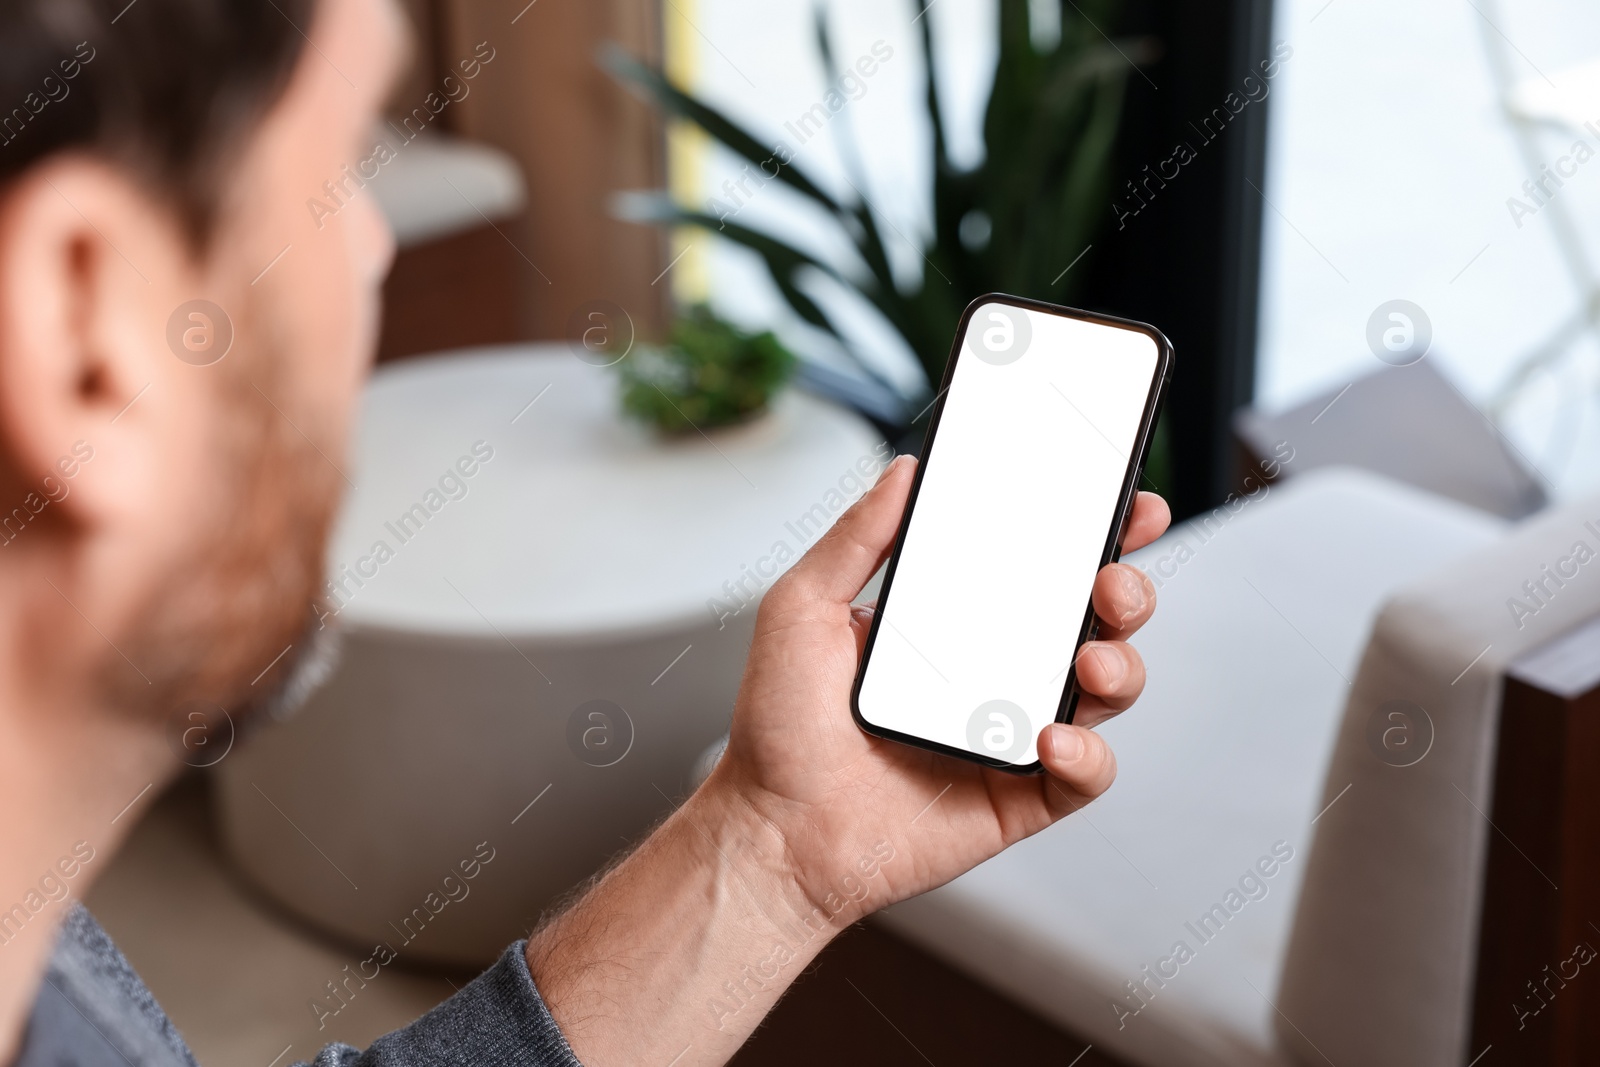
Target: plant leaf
868	241
783	261
729	133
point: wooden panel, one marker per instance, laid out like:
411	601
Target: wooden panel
1537	994
579	138
428	65
456	291
873	998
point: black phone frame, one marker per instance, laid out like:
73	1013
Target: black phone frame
1113	547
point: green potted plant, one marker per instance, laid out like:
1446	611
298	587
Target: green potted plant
1015	222
708	374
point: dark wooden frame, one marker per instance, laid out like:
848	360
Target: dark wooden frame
1541	894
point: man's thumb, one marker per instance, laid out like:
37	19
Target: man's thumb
837	567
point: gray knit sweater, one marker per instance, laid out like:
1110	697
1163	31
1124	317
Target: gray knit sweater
93	1011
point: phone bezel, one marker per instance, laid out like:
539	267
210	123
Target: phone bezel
1112	551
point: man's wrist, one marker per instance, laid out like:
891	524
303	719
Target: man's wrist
831	873
691	939
750	846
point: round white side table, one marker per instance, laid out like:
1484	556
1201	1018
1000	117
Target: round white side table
541	611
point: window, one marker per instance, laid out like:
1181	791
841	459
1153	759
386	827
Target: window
1393	151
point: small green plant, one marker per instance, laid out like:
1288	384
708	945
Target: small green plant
709	373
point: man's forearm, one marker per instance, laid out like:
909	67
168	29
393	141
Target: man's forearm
678	952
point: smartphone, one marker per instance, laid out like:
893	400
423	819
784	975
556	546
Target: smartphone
1032	461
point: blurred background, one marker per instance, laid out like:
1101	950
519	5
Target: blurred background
678	277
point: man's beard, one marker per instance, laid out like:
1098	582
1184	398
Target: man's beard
241	631
309	664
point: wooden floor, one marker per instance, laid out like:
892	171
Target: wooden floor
873	998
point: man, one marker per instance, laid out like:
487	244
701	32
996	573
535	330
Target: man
165	522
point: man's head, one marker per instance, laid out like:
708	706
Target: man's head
178	334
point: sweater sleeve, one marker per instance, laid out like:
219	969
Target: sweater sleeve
498	1020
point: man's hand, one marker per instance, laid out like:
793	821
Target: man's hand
674	956
837	795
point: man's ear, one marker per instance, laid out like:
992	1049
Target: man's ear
90	269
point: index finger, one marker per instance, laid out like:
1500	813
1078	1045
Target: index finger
1150	520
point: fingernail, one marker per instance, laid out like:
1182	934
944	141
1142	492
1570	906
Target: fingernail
1113	665
1134	592
895	464
1066	744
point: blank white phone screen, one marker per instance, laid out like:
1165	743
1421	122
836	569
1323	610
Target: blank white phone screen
1020	488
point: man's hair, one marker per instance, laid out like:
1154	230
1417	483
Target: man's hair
170	88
